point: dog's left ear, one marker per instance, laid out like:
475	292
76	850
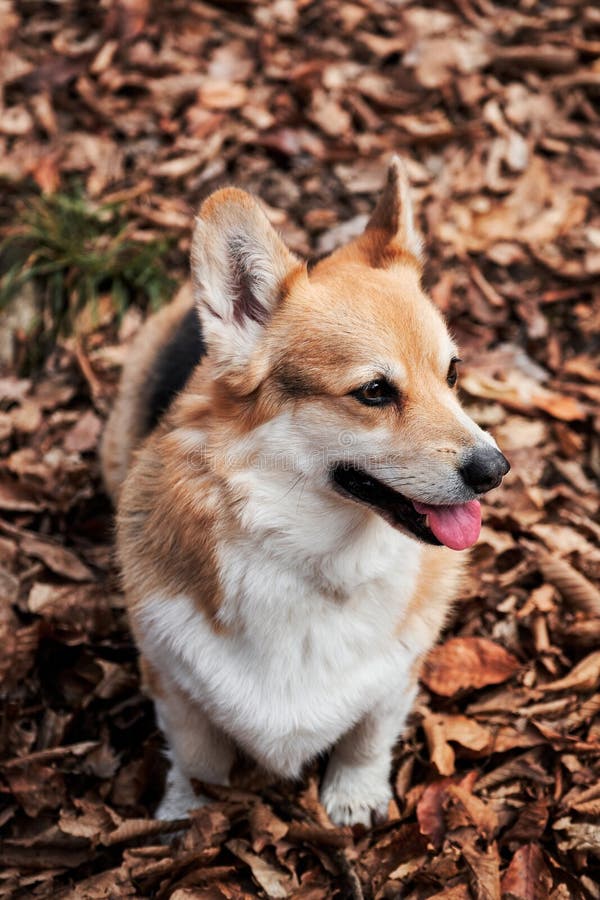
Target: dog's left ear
391	232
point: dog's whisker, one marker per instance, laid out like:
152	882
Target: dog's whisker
301	493
293	485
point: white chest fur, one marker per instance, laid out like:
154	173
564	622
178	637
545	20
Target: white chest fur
305	651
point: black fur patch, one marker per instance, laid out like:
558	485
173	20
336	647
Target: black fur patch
173	366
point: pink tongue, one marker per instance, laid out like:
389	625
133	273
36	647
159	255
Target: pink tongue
455	526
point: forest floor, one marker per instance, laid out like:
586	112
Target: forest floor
150	107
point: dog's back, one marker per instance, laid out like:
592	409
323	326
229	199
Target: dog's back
162	357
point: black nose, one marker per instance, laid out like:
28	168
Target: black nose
484	469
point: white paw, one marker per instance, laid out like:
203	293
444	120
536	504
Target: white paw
355	796
179	798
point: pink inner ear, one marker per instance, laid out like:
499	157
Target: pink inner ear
246	304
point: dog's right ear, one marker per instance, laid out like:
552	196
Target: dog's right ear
391	232
239	269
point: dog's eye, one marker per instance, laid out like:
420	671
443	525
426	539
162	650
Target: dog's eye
376	393
452	376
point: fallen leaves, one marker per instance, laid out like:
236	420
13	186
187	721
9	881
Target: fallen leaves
495	110
516	391
449	814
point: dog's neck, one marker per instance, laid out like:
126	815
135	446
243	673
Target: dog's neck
336	542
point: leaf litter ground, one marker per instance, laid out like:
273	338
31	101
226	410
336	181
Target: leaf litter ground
495	106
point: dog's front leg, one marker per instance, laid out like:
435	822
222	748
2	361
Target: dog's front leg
356	788
197	749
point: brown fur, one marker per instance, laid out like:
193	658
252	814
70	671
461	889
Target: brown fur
151	680
166	539
438	585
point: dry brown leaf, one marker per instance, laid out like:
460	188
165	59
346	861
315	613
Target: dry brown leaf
266	828
387	852
19	646
589	808
441	753
52	753
583	631
573	586
57	558
27	417
15	497
14	390
531	823
330	115
218	93
36	787
510	737
484	871
584	836
74	609
585	676
528	876
517	391
447	806
437	59
457	892
87	819
430	811
440	729
132	829
83	437
464	809
467	663
179	166
564	540
274	882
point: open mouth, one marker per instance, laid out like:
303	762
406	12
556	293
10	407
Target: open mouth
456	526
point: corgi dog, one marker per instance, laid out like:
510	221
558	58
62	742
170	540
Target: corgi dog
295	479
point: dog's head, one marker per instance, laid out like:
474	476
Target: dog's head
347	374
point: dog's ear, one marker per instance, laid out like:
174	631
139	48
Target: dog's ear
391	232
239	267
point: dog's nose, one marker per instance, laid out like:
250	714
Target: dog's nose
484	469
